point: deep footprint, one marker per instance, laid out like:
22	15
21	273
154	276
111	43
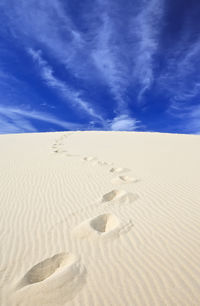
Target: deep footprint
119	170
102	225
46	268
55	281
127	178
90	158
102	163
124	179
112	195
121	196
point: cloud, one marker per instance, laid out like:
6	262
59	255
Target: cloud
187	117
62	88
146	28
192	119
181	79
124	123
12	123
16	120
118	45
106	59
110	50
125	45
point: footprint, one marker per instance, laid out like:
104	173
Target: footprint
54	281
124	179
112	195
127	178
71	155
46	268
102	163
118	170
90	158
121	196
102	225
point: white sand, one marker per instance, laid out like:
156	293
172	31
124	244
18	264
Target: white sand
99	218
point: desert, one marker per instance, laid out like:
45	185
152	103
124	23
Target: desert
99	218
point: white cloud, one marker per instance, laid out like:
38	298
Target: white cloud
15	120
192	119
124	123
107	61
145	28
62	88
11	123
188	117
125	56
118	46
181	79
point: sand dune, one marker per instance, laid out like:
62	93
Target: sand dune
99	218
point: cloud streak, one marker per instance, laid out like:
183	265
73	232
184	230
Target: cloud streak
62	88
146	28
17	120
107	62
121	55
181	79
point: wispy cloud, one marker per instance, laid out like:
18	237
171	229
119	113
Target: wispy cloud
146	27
70	96
181	79
187	116
14	123
106	59
124	53
17	120
109	48
193	120
120	52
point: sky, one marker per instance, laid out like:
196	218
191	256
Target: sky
116	65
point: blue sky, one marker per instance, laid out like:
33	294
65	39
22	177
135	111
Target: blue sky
100	65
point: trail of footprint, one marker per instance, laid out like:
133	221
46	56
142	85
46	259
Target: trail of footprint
106	225
57	146
115	197
61	275
101	223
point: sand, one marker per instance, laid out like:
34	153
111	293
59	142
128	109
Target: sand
99	218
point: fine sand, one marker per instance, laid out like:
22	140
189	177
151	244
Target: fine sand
99	219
